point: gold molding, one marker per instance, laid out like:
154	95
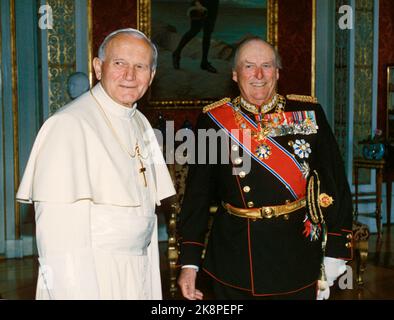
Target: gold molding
3	130
272	22
14	81
90	41
389	89
313	55
179	104
144	16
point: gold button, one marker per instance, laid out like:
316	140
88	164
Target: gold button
348	245
234	147
286	217
238	161
349	236
268	212
250	204
242	174
246	189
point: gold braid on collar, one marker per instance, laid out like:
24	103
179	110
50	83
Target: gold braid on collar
277	101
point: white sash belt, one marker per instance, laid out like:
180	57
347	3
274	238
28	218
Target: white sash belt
120	229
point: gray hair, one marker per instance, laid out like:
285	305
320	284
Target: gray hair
132	32
277	59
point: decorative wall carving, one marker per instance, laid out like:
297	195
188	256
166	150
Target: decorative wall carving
341	83
363	77
61	52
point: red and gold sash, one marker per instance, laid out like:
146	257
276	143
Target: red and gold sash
280	163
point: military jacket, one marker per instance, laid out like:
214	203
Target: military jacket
265	256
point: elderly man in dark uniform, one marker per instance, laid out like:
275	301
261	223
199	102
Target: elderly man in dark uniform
283	228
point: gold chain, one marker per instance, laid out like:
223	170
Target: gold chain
137	147
114	131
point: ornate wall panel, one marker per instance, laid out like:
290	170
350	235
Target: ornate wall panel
61	51
363	72
341	83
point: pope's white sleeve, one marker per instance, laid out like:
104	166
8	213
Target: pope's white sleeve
67	268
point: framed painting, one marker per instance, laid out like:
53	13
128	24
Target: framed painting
193	71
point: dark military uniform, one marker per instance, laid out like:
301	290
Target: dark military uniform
269	256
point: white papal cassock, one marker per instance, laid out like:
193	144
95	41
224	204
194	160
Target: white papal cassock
95	219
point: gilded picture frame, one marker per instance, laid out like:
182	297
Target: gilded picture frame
161	98
390	102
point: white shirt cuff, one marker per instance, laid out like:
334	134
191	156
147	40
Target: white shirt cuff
192	266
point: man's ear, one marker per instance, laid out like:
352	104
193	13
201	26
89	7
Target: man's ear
235	76
97	64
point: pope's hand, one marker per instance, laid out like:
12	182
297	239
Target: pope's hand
187	283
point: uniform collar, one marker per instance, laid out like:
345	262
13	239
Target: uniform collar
259	109
277	103
109	105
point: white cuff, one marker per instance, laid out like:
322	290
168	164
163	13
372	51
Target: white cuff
192	266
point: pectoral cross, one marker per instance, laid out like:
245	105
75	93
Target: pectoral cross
142	169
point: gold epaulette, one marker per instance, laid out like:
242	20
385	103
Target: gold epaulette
215	105
301	98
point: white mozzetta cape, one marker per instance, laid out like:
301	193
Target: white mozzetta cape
76	156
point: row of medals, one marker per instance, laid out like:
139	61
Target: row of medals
263	150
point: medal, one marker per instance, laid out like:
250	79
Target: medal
266	123
263	151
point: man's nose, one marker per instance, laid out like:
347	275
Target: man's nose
130	73
259	73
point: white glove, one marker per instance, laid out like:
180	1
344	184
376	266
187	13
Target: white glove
334	268
323	292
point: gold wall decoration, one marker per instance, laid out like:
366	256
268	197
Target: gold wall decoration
272	22
14	68
144	16
342	51
61	51
313	60
3	131
363	77
90	41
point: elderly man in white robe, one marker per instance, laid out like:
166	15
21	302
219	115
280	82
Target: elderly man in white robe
95	175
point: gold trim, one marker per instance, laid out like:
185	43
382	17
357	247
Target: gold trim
144	16
302	98
267	212
3	130
15	116
390	68
90	42
179	104
313	62
272	22
216	104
